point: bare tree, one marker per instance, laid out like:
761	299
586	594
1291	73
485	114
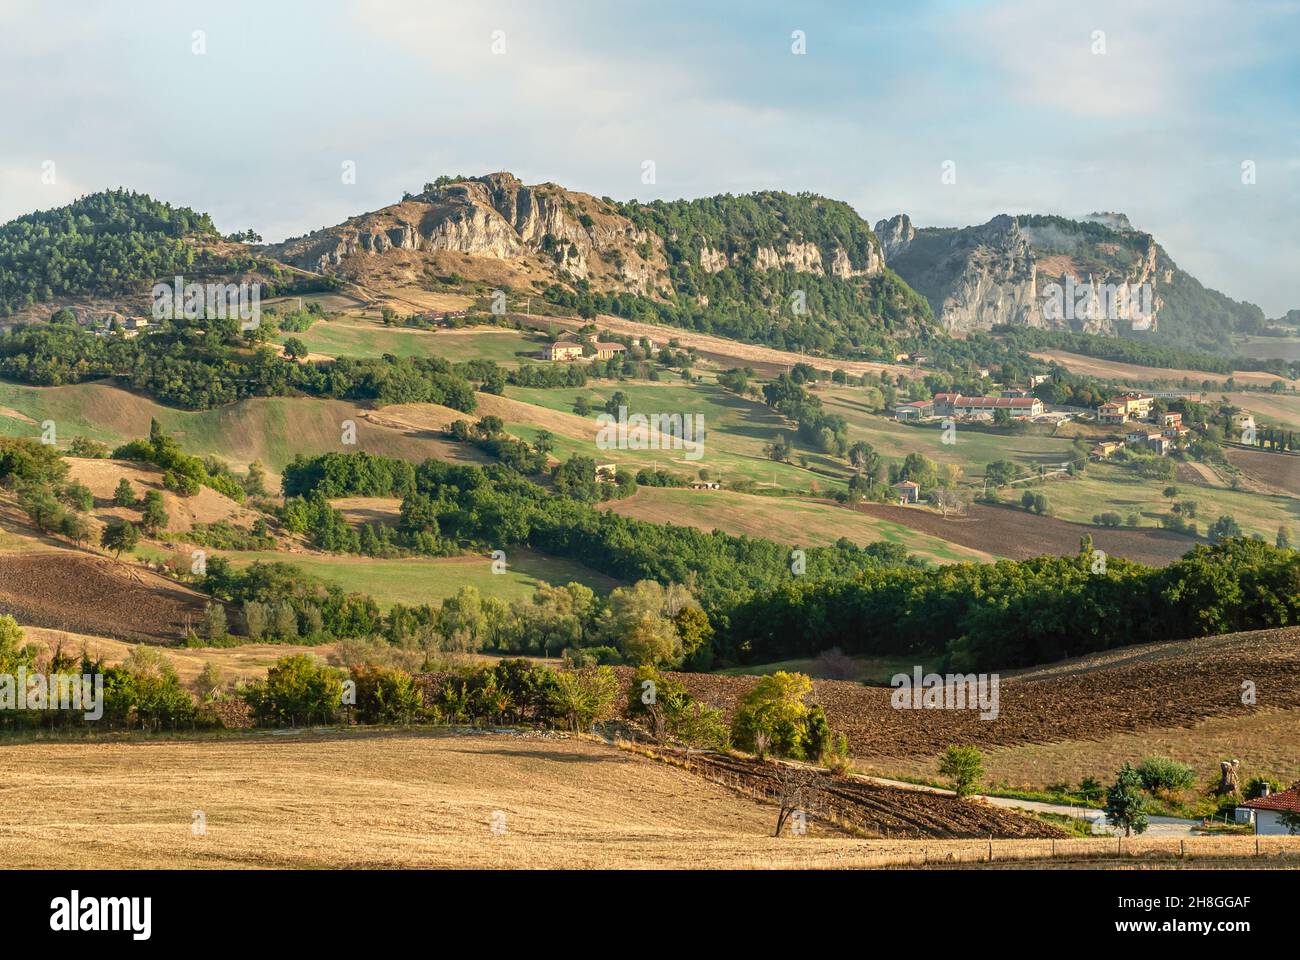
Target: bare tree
798	789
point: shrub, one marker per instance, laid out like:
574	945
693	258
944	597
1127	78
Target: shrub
774	715
964	766
297	689
1162	775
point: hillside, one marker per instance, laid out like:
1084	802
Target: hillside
1001	272
790	271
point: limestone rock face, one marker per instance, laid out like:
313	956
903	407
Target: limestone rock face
895	235
974	278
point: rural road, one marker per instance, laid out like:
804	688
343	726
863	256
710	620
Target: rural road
1157	826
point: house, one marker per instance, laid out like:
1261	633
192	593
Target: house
1036	378
914	410
918	358
606	350
956	405
984	372
606	472
1243	424
1113	411
1171	420
1154	441
1104	450
900	358
1269	809
1139	405
907	491
562	350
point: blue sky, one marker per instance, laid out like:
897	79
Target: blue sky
255	129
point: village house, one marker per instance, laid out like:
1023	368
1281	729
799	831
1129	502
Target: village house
907	491
1130	406
1105	449
606	350
1171	420
562	350
956	405
914	410
1243	423
1154	441
1266	812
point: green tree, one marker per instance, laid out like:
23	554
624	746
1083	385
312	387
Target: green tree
964	766
1223	528
124	495
154	516
1125	806
773	715
119	536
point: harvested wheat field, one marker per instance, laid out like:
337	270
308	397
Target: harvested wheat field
375	800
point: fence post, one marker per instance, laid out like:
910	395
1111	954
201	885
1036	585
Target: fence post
990	849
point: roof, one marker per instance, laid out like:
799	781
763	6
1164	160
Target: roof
566	343
906	483
1288	800
916	403
609	346
996	401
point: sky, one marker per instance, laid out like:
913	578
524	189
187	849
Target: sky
1185	115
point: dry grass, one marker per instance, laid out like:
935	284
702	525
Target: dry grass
248	661
1115	370
427	799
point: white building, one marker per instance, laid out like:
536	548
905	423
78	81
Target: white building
1269	809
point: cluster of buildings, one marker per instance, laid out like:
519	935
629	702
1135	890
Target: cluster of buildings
1155	434
126	326
572	350
1021	404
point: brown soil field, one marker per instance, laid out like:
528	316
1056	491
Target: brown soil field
1266	742
85	593
1019	534
1115	370
1145	687
1281	471
878	810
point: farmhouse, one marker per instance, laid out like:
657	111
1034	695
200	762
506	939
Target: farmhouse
1104	450
1171	420
955	405
1153	440
562	350
915	410
1130	406
1269	810
606	350
907	491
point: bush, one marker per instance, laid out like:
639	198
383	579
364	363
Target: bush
297	689
964	766
774	715
385	695
1162	775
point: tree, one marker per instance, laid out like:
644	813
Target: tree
78	496
582	407
583	697
1162	775
1125	806
774	713
964	766
124	495
1283	537
1223	528
798	790
544	441
294	348
74	527
214	623
119	535
154	517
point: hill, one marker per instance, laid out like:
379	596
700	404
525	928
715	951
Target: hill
789	271
998	274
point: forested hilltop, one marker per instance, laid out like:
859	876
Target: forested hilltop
791	271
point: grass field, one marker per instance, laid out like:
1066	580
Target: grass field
272	430
798	522
971	451
364	338
736	430
416	580
1105	487
1134	373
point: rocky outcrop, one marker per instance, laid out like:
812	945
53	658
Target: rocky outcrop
974	278
895	235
